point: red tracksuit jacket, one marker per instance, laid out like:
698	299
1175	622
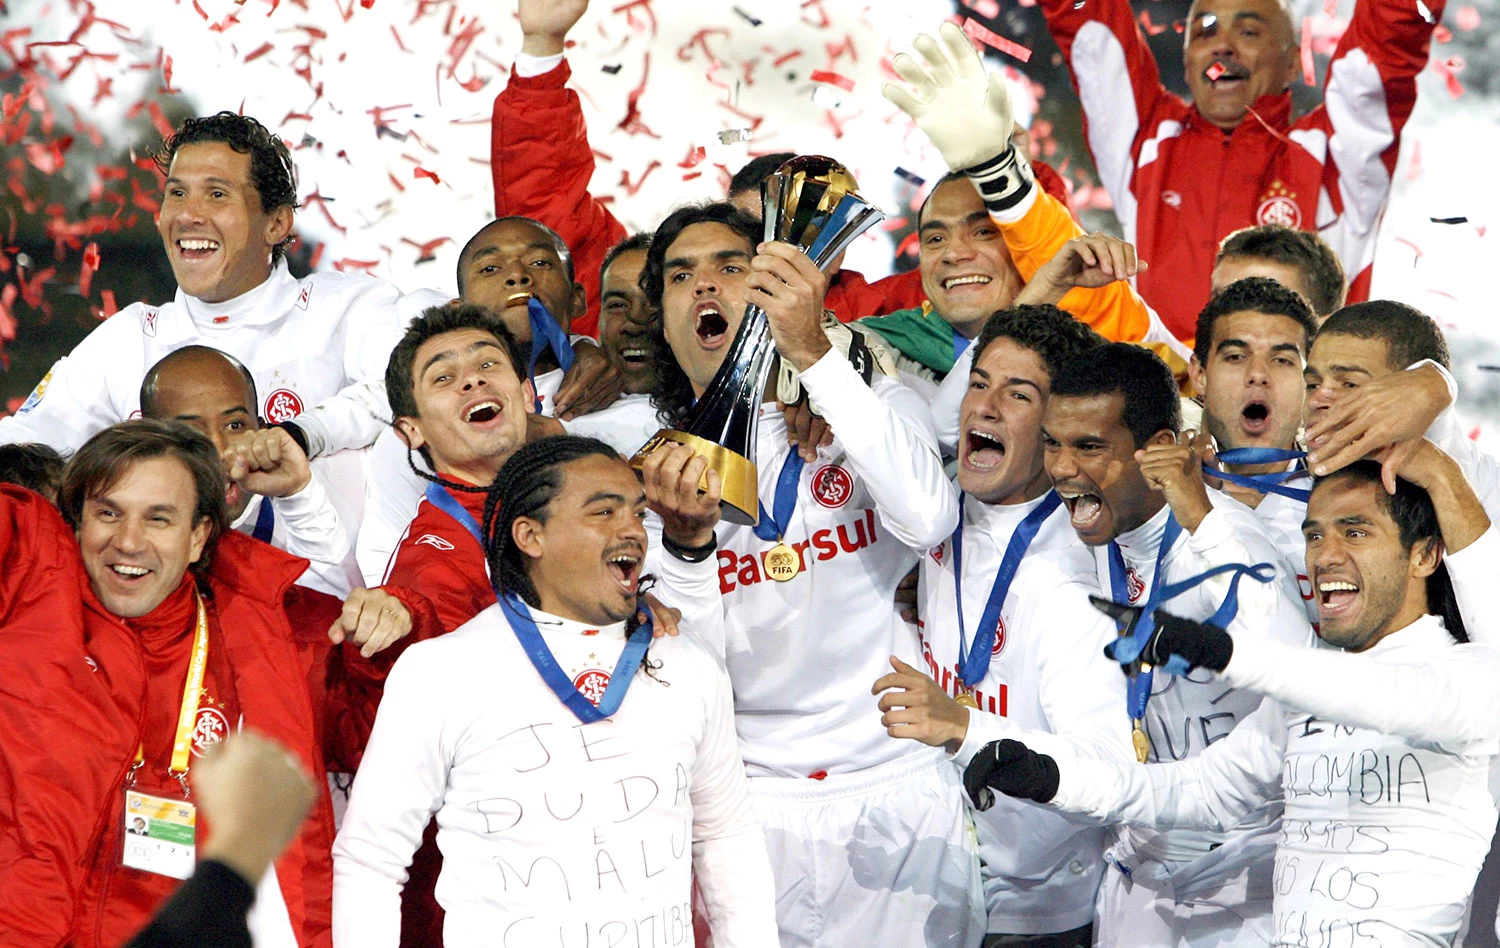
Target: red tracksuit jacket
1180	184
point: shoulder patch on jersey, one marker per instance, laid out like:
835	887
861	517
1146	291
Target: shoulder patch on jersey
282	405
148	321
939	552
304	296
832	486
434	541
37	394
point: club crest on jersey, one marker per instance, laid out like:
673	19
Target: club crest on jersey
1279	206
210	728
282	405
591	685
37	394
434	541
148	323
999	636
304	296
832	486
1135	587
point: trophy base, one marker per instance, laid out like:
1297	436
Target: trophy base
740	501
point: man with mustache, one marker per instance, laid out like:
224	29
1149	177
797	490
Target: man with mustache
1009	637
1367	853
548	735
1133	487
808	609
1183	176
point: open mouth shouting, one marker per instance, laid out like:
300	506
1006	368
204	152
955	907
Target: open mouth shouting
625	567
1337	598
710	324
982	451
1226	75
1085	509
1255	418
483	413
195	249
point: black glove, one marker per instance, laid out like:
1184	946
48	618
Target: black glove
1012	768
1199	644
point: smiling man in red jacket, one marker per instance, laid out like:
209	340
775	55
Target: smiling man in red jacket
1183	176
168	631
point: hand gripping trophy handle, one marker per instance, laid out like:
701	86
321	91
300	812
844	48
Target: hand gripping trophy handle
811	203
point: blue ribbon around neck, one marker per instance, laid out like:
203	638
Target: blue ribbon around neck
438	496
772	526
530	637
1265	483
265	521
974	662
546	333
1127	650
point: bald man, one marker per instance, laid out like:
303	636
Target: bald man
275	494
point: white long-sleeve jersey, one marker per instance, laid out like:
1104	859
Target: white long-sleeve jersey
1048	674
1382	760
1188	714
317	348
310	524
803	654
554	832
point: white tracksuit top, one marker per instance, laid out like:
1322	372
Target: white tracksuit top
1047	673
1383	761
554	832
803	654
317	348
1186	715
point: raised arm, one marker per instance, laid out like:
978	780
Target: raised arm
540	157
75	400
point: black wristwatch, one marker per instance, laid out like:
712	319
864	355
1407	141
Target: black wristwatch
689	554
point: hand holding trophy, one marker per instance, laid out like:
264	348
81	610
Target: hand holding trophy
810	203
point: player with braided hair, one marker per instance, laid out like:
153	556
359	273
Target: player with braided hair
540	698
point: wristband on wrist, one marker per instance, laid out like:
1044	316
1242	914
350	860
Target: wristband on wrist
689	554
1003	181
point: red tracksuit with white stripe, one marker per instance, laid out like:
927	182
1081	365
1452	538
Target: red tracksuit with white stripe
1180	184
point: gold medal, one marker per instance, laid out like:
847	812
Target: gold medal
966	700
1141	742
782	563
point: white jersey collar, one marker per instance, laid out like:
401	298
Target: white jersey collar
550	625
267	302
1424	636
998	521
1141	543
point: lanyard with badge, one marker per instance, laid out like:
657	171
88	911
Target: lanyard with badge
782	561
1138	623
974	659
161	832
542	659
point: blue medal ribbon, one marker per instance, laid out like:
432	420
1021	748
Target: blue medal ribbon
974	662
1265	483
438	496
772	526
265	521
546	333
1127	650
546	665
961	345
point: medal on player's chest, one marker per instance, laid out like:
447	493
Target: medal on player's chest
965	699
1140	741
782	561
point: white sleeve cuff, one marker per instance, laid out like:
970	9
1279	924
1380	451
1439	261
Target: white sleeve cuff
983	729
527	65
306	502
1015	215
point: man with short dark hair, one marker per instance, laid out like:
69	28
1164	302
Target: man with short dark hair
225	219
1133	485
273	492
1008	636
1381	754
190	628
1183	175
36	467
557	691
626	319
1298	259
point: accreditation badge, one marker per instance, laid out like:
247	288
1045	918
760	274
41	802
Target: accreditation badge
160	835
